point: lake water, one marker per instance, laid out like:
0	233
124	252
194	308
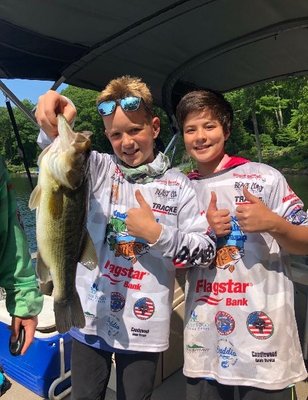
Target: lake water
299	184
23	190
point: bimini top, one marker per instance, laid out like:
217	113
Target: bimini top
173	45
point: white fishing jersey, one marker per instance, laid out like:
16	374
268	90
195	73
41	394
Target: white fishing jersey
127	299
240	327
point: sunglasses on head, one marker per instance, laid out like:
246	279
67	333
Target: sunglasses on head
129	103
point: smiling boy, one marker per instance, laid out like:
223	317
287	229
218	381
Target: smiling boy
240	328
144	220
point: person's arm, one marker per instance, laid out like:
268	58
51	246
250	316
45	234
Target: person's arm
17	275
257	217
187	243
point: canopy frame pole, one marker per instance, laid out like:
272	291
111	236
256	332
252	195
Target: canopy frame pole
17	102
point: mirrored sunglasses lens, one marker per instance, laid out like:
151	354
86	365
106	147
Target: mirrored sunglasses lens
106	107
130	103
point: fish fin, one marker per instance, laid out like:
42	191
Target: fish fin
89	257
69	313
35	196
43	153
42	271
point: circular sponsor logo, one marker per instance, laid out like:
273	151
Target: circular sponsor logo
117	301
225	323
260	325
144	308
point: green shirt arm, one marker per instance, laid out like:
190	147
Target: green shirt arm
17	275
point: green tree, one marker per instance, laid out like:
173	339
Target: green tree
28	134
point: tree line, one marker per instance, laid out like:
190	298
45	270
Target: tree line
270	125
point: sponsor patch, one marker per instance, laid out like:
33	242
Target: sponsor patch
224	322
144	308
226	353
112	325
117	301
264	356
139	332
260	325
196	348
195	325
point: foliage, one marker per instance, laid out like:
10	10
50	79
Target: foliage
273	115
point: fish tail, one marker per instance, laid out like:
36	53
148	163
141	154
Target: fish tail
69	314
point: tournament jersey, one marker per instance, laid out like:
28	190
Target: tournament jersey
240	327
127	299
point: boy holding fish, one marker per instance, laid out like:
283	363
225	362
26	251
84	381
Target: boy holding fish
144	220
240	327
17	276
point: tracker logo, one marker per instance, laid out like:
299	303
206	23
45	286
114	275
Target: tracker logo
242	200
164	209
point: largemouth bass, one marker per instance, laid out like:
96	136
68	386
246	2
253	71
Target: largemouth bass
60	198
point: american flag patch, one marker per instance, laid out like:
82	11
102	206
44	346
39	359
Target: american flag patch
260	325
144	308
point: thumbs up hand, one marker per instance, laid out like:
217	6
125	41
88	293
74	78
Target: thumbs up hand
140	222
219	220
254	216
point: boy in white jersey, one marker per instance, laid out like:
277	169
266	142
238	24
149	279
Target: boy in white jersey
144	220
240	328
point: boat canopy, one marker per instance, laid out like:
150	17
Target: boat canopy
173	45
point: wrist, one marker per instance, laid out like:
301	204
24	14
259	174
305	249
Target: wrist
154	233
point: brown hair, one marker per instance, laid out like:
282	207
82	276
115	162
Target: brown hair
209	101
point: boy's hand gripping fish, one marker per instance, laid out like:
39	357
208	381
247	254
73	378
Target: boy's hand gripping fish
60	198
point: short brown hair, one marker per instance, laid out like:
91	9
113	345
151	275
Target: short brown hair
127	86
206	100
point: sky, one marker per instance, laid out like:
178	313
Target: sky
26	89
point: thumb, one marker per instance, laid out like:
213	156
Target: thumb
249	196
213	202
141	200
15	327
